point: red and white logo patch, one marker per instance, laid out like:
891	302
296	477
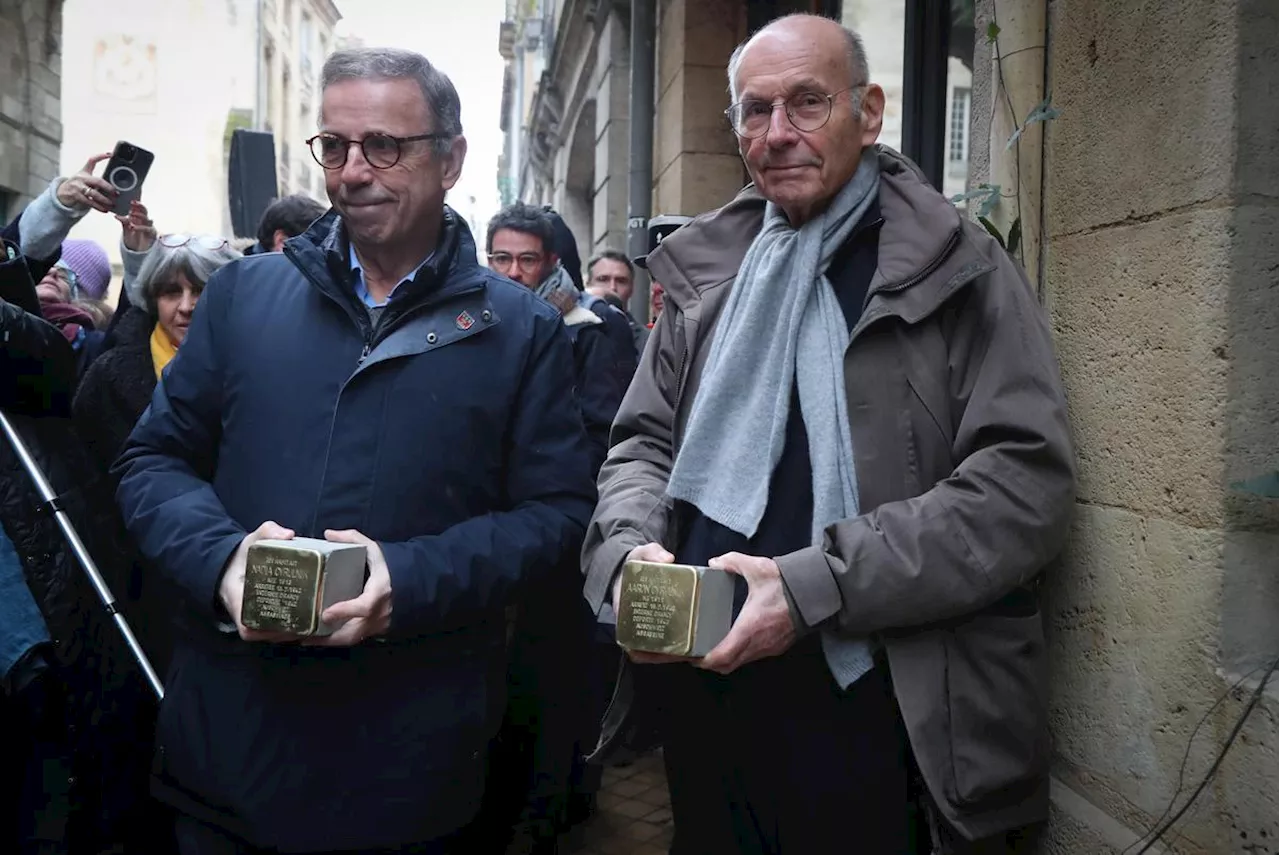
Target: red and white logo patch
464	321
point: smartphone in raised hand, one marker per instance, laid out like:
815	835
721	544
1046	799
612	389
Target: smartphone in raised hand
126	170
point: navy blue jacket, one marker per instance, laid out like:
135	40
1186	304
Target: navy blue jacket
450	436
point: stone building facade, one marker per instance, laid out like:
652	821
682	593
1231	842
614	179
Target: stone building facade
30	99
1159	273
295	36
567	96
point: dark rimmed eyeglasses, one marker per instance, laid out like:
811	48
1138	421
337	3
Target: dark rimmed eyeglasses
382	151
807	111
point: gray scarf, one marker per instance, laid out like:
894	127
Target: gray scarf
781	305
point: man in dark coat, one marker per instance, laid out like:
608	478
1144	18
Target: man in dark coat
548	720
74	716
521	244
370	385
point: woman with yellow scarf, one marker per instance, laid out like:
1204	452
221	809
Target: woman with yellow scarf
162	297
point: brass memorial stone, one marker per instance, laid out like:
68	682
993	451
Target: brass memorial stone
289	583
676	609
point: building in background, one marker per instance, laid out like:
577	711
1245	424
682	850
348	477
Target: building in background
138	74
295	38
566	102
30	95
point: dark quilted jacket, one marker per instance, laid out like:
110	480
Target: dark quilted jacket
97	712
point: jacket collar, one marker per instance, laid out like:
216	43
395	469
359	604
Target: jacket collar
322	252
920	231
134	328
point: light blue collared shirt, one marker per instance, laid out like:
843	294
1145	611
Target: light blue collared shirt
362	289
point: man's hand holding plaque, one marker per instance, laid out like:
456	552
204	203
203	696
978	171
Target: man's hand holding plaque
369	614
231	587
764	627
648	552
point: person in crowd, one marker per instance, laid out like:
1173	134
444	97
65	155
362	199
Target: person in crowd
287	217
611	277
72	291
537	755
617	325
405	400
611	272
565	246
171	273
77	319
852	405
519	245
162	298
75	716
71	297
656	301
92	269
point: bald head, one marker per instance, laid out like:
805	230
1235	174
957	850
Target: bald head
811	35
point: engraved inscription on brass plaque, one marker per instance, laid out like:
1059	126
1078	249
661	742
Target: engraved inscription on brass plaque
282	589
657	608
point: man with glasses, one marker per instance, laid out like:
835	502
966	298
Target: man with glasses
519	241
372	384
851	403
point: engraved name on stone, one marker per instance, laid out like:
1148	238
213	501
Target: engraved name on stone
653	607
279	585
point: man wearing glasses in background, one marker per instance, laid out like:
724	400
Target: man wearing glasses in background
852	404
519	242
371	385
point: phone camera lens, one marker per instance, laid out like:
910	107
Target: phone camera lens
127	153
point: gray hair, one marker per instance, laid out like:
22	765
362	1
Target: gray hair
395	64
196	260
860	74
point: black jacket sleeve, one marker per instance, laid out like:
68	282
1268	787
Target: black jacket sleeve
599	391
37	365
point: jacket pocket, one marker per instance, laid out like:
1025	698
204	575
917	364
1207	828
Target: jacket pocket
997	696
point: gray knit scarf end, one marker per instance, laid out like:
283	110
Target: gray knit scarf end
781	324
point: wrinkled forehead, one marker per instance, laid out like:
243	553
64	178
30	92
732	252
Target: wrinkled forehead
777	64
356	107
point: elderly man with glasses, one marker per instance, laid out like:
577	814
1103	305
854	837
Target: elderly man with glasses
852	405
373	385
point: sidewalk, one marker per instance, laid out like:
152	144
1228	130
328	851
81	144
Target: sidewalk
634	816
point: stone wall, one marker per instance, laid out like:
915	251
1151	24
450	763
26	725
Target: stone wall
1160	218
696	166
30	99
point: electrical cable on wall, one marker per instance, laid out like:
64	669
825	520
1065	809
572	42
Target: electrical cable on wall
1161	827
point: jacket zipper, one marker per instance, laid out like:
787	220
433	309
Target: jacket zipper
917	277
366	329
894	287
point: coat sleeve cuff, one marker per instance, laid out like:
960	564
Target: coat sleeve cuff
605	566
810	588
207	592
46	222
131	262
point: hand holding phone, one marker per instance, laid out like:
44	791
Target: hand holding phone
86	190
